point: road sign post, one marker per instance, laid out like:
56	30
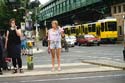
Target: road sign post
30	65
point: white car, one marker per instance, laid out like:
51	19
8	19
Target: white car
71	40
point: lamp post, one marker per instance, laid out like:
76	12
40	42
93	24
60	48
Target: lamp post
124	38
36	25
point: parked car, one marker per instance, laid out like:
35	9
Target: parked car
71	40
88	40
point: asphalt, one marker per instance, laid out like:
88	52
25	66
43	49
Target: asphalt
92	77
78	60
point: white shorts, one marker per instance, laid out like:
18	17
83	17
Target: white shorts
55	44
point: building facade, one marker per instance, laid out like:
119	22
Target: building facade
118	12
69	12
57	7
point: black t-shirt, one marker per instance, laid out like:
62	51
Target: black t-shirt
13	38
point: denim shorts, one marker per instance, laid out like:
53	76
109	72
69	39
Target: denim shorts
55	44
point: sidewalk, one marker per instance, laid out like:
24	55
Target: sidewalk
69	68
35	51
39	48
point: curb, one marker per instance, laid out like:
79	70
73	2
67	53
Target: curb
105	64
73	70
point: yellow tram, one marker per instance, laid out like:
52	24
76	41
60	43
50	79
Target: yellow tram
105	29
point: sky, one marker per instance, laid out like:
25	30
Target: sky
42	1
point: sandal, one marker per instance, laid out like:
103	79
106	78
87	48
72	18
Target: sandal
21	71
14	70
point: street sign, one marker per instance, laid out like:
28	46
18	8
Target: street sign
28	25
36	25
22	26
45	23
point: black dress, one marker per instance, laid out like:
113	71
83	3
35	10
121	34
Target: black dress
14	44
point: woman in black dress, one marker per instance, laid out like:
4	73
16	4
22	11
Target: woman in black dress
13	45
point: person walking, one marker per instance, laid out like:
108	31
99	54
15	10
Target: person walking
23	45
13	45
54	43
1	54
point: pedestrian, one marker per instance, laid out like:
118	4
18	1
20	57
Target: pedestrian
23	45
54	43
13	45
1	55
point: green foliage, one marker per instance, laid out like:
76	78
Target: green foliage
6	14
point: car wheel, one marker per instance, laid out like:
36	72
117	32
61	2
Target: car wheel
86	44
98	44
78	44
43	44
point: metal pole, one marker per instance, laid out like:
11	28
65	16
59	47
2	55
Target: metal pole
124	39
37	33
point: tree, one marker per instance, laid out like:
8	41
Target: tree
6	13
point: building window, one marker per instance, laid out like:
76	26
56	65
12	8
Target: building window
67	5
120	30
114	9
124	8
60	7
119	9
64	6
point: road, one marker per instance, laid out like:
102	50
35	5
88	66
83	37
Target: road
98	77
78	53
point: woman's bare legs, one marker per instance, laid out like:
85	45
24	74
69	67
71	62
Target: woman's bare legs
53	59
58	52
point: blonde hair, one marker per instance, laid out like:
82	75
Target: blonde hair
55	22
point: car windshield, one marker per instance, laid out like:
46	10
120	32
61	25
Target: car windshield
81	36
72	37
89	36
66	37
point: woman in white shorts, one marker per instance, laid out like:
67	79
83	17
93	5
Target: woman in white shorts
54	43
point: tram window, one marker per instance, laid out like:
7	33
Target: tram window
77	31
112	26
83	29
89	28
73	30
66	31
93	27
102	27
86	32
120	30
106	28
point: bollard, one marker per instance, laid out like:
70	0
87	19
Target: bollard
30	65
124	39
124	54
